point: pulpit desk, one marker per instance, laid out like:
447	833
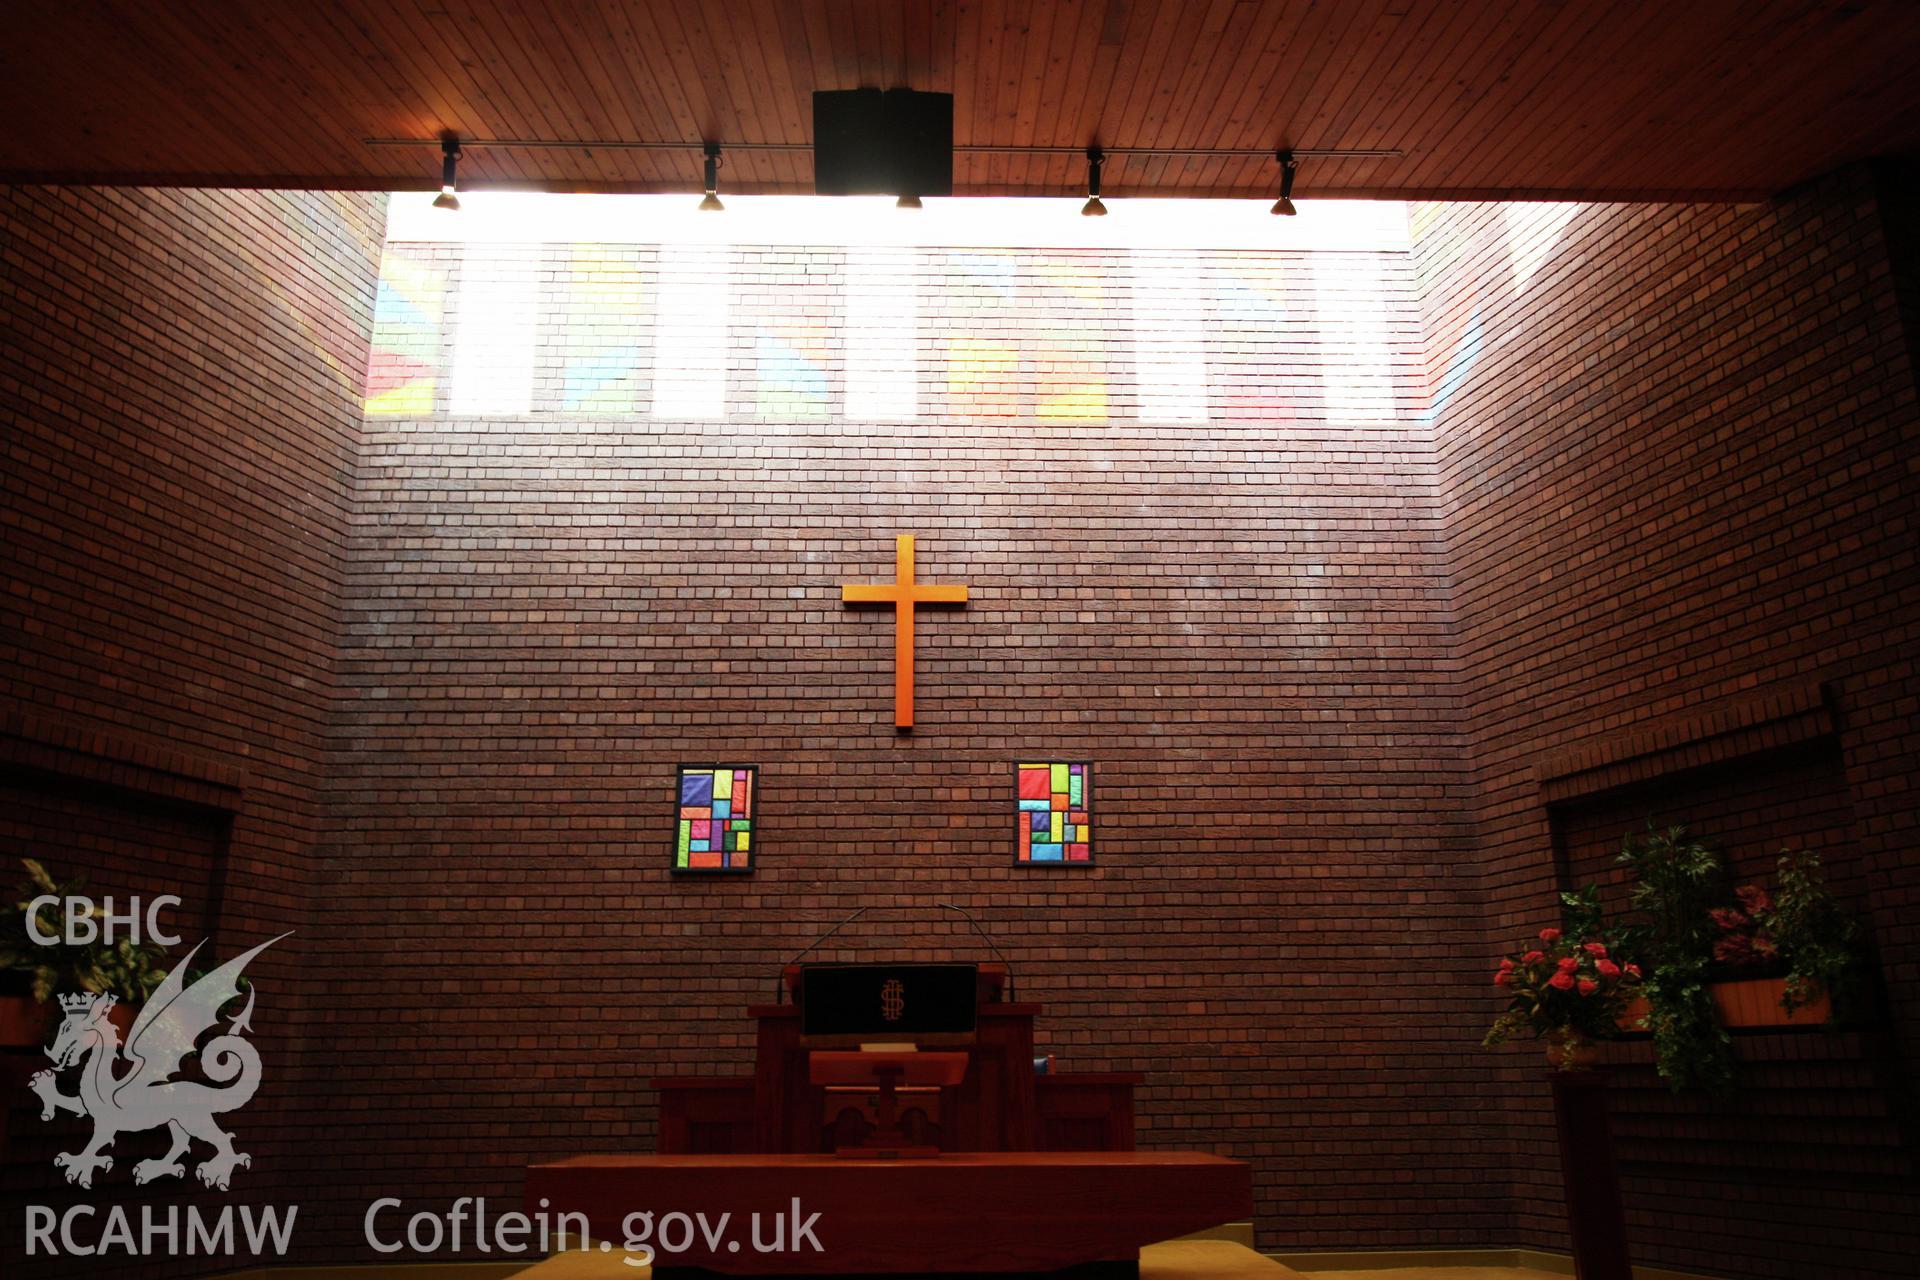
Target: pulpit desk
1000	1104
1035	1172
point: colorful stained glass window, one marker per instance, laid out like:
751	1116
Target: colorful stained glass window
408	315
1055	805
715	828
606	305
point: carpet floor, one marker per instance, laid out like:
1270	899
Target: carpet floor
1174	1260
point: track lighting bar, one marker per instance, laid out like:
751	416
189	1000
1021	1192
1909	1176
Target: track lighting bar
1198	153
1289	158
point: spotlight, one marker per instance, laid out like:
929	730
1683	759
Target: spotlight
1288	166
1093	208
908	202
712	202
449	181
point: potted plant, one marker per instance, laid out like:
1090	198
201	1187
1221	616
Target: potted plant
1791	951
1678	881
1569	990
36	972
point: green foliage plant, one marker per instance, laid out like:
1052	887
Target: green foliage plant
1677	883
125	968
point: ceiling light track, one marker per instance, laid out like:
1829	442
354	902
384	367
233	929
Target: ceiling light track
1198	153
452	147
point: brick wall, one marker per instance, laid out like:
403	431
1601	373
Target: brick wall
181	381
1241	621
1676	461
1366	580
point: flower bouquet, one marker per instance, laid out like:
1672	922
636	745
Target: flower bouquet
1569	991
1779	956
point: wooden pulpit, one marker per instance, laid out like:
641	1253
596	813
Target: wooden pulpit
999	1103
871	1086
920	1143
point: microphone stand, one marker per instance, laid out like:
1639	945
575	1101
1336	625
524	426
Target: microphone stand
989	941
780	995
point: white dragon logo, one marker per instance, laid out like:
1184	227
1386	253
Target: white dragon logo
145	1097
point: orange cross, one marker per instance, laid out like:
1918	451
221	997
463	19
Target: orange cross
904	594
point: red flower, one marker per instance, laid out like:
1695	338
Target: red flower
1561	981
1595	948
1607	968
1506	965
1633	971
1588	986
1533	957
1503	978
1569	963
1549	935
1728	919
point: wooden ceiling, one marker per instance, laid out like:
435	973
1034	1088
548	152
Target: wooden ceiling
1524	99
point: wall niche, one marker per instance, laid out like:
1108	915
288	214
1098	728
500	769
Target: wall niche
1816	1114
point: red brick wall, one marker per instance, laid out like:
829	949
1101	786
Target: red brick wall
440	667
181	378
1677	473
1241	622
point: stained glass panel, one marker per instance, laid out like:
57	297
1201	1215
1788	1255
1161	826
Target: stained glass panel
715	828
1054	806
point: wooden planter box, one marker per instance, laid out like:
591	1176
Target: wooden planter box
1756	1002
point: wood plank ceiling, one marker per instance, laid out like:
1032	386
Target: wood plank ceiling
1480	99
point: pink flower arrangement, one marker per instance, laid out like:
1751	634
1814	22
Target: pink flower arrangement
1744	941
1567	991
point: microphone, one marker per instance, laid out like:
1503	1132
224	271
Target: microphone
780	996
989	941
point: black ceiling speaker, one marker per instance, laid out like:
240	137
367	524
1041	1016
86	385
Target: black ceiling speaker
894	142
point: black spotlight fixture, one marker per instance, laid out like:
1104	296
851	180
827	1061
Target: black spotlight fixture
1093	208
449	197
1288	167
712	202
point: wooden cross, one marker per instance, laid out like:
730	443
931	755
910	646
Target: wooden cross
904	594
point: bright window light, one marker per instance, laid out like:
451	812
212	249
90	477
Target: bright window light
1355	358
1169	336
498	305
1532	231
880	342
872	222
690	338
664	246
